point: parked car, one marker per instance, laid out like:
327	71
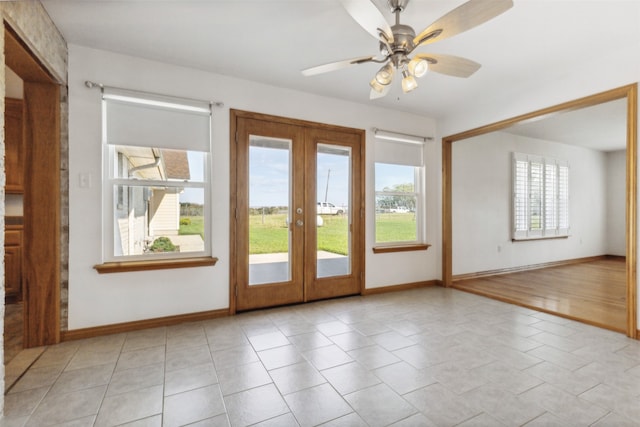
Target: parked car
399	209
325	208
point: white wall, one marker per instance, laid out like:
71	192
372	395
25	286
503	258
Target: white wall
113	298
482	196
616	202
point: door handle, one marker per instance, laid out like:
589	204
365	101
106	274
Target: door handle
299	223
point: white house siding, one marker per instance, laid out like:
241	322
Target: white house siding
164	213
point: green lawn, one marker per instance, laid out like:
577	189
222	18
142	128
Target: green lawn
195	227
269	234
395	227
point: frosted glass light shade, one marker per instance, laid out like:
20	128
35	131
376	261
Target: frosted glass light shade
378	90
418	67
409	82
385	74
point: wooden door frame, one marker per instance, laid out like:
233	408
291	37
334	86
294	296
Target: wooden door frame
233	187
630	92
41	238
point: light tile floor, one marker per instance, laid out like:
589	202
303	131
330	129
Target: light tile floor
427	357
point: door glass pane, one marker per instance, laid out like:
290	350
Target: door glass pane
269	210
333	219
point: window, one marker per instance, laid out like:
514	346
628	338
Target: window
540	197
399	193
156	183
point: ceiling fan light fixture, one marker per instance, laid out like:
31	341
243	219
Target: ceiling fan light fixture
418	66
374	94
409	82
384	76
376	86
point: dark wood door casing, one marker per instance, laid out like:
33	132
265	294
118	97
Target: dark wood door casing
42	195
308	135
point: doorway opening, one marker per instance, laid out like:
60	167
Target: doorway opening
629	96
32	235
297	229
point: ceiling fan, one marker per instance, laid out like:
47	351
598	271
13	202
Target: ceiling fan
397	42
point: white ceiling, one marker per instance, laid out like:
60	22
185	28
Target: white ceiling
270	41
602	127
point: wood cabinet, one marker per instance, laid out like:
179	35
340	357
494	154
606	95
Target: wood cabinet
13	262
14	145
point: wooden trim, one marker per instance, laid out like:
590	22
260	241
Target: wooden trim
447	222
346	135
233	203
587	101
146	265
403	287
20	58
42	200
404	248
289	121
631	210
118	328
630	92
508	270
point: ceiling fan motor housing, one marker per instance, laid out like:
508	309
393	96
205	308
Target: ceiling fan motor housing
403	36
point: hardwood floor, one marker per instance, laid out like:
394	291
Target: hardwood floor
13	326
591	292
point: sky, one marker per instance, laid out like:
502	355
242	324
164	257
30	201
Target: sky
269	181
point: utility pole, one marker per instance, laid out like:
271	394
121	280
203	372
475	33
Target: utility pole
326	190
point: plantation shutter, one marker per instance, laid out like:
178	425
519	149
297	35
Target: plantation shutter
550	198
540	197
563	199
520	196
536	189
147	120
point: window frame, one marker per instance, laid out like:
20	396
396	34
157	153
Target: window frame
549	177
419	193
111	187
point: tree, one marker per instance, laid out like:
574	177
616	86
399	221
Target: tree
399	196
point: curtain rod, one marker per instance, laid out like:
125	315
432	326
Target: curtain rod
399	136
92	85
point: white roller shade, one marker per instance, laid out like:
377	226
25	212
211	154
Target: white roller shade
399	153
145	120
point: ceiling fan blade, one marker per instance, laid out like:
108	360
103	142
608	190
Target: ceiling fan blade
333	66
450	65
369	17
462	18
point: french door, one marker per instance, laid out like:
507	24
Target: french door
297	211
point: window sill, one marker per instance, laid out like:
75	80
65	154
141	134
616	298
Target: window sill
402	248
125	266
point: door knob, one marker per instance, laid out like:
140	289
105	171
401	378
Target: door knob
299	223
